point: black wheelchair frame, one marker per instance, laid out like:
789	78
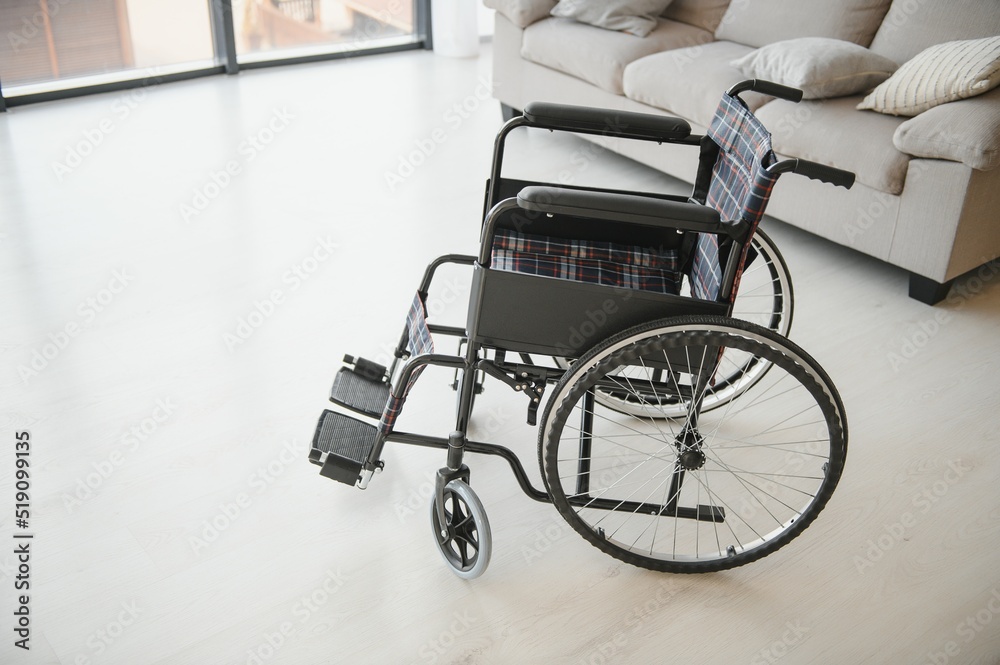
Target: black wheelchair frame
510	318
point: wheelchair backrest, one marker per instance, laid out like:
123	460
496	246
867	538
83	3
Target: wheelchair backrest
733	180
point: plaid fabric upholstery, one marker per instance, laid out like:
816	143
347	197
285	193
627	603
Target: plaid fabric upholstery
589	261
419	343
391	412
739	187
416	322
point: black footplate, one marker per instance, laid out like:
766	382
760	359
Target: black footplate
346	442
362	389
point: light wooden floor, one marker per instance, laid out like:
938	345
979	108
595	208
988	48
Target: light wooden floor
210	539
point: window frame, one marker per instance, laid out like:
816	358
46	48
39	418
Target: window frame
226	59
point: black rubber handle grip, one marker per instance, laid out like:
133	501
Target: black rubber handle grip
606	122
822	172
767	88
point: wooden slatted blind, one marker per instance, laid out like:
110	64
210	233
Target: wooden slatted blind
70	38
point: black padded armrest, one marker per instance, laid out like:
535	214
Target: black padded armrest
628	208
607	122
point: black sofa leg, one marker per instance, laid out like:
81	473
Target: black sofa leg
509	112
928	291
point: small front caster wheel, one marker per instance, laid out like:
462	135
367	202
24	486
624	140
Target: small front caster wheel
464	540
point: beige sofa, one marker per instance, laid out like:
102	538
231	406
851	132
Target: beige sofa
927	197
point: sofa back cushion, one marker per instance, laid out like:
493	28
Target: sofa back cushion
700	13
762	22
910	26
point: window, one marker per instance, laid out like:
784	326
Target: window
268	29
59	44
59	48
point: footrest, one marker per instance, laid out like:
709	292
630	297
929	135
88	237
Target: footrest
359	392
346	442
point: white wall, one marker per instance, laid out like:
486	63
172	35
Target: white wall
168	32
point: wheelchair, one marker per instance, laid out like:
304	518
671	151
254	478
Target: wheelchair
680	430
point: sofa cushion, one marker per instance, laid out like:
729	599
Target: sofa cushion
760	22
967	132
834	133
701	13
600	56
937	75
911	26
522	13
688	82
818	66
636	17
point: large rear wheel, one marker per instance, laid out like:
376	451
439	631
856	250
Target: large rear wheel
708	489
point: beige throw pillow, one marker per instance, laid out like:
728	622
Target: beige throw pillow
522	13
820	67
636	17
937	75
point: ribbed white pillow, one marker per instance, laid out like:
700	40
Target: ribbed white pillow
937	75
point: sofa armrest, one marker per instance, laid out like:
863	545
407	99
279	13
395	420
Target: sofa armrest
522	13
966	131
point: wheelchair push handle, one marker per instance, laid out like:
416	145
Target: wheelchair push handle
766	88
822	172
605	122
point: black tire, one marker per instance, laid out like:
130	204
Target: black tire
465	541
763	467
